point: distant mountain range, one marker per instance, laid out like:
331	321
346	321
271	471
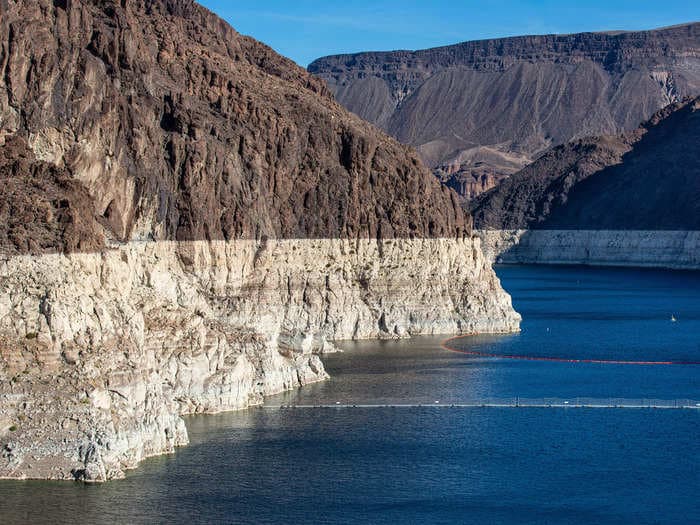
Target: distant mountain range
480	111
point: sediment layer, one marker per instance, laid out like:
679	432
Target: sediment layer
636	248
102	352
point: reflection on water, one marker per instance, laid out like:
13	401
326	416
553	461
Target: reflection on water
395	465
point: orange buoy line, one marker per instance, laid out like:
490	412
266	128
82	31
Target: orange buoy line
446	344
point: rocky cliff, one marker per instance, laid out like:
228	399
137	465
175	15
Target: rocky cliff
479	111
576	201
188	220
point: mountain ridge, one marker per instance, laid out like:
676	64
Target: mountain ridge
526	36
645	179
479	111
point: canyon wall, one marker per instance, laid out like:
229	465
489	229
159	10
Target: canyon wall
188	221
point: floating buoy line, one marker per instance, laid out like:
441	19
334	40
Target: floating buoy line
448	345
521	403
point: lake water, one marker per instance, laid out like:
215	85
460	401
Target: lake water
442	464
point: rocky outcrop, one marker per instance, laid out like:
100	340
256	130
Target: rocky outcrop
179	128
190	219
515	97
476	171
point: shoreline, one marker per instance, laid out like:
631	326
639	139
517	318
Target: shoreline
259	404
103	352
664	249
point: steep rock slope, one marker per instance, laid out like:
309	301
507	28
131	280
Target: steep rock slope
168	118
188	219
479	111
644	180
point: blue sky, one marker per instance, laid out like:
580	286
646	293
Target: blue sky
306	29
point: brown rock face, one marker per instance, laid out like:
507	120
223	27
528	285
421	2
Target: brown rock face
477	171
471	182
153	119
515	97
647	179
41	206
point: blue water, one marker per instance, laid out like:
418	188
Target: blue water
447	465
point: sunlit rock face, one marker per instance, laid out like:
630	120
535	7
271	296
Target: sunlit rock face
479	111
103	351
187	221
